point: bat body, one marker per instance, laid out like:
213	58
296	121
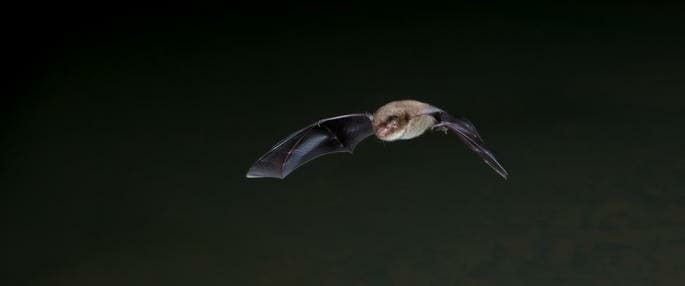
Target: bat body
397	120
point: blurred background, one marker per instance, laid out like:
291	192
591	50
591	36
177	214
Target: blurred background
128	130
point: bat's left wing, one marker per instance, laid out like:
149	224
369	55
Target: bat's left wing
469	135
331	135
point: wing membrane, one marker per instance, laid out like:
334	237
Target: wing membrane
469	135
331	135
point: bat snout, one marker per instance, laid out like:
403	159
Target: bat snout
382	131
389	134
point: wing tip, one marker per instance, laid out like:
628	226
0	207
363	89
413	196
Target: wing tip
497	167
505	176
502	172
254	174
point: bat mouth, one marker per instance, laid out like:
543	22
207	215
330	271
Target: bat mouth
383	131
389	128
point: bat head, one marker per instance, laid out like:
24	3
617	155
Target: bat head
391	121
392	127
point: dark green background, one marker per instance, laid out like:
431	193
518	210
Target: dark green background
129	135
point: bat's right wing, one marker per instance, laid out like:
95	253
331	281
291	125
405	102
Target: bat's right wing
331	135
469	135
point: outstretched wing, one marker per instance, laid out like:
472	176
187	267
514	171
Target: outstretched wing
331	135
468	133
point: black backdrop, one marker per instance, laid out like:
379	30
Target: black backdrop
128	132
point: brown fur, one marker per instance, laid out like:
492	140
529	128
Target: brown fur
410	116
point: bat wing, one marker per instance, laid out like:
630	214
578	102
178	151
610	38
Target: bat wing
467	132
331	135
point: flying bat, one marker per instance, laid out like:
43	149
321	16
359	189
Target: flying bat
397	120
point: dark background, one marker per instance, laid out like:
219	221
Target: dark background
128	132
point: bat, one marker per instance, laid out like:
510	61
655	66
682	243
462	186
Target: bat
396	120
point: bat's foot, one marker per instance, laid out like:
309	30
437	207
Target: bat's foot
440	128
